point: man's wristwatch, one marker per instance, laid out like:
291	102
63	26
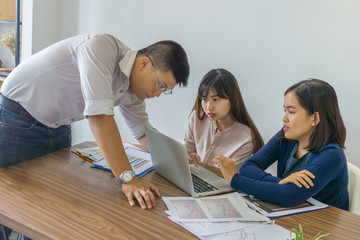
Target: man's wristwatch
127	176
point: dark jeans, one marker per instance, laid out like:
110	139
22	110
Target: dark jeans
21	140
8	233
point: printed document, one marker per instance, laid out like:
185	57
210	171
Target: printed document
254	232
219	208
139	158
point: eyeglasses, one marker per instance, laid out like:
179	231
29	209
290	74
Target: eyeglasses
161	88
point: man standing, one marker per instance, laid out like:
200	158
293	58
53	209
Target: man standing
86	76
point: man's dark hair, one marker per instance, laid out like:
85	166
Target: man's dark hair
169	56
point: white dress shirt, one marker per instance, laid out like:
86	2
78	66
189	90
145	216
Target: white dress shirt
81	76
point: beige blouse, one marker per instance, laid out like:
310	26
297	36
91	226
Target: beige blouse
207	141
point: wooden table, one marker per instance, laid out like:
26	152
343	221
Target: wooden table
341	225
2	79
2	70
58	196
6	70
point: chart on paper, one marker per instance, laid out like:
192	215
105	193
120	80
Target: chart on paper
188	209
140	160
253	232
137	162
221	208
241	234
218	208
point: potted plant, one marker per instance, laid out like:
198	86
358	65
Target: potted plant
299	234
7	39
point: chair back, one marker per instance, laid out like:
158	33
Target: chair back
354	188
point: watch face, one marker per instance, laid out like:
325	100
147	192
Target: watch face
127	176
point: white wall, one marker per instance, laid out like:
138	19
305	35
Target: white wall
267	45
41	20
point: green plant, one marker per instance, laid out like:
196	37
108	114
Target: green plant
300	236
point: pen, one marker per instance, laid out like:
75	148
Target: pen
83	156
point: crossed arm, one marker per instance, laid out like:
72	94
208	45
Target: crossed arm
267	190
289	191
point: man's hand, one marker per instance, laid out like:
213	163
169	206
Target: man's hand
301	178
142	192
227	167
194	158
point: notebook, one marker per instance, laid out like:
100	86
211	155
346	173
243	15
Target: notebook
271	210
170	161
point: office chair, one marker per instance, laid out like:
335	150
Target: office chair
354	188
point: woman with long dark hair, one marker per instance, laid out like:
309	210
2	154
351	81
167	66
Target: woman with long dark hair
220	123
308	150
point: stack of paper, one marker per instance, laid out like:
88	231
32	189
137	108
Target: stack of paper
139	158
222	217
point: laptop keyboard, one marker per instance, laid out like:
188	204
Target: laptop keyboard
202	186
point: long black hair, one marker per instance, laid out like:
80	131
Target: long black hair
225	85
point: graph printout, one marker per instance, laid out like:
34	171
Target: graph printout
140	160
219	208
188	209
256	231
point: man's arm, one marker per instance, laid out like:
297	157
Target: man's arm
109	141
143	141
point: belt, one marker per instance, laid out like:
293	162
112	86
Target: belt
15	107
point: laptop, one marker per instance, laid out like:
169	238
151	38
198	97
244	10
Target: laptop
170	161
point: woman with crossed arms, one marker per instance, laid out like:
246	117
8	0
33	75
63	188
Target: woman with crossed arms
309	151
